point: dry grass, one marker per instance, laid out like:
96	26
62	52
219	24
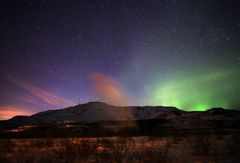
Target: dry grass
118	149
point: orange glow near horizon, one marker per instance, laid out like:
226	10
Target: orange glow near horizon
7	112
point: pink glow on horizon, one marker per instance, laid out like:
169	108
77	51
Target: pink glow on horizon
7	112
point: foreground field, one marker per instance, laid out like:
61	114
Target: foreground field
192	148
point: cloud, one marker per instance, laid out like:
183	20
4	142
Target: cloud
45	96
108	89
7	112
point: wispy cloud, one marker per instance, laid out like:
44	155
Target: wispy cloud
44	95
108	89
7	112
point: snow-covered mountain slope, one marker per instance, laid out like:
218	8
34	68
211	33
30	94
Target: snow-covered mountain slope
98	111
92	112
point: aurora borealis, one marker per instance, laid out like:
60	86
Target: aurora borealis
55	54
199	91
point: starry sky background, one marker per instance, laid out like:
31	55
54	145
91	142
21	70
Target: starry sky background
59	53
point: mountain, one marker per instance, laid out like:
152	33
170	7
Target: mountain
100	119
91	112
98	111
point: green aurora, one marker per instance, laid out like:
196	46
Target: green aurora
199	91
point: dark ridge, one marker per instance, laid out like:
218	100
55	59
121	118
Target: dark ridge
99	111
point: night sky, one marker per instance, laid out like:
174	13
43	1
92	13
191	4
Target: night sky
60	53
